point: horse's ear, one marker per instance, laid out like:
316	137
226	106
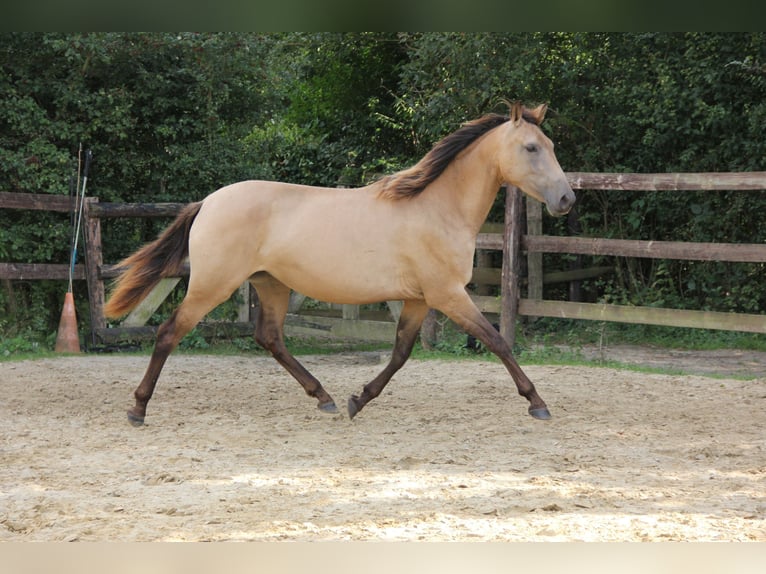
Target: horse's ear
517	112
539	113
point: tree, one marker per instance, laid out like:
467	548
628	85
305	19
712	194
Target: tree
173	116
164	115
336	127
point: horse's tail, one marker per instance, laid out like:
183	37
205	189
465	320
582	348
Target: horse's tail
163	257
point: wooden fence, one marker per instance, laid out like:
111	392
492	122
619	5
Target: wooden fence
534	245
508	239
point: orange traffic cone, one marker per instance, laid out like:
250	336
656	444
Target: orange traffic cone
67	339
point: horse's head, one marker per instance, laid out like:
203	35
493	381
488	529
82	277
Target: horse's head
528	162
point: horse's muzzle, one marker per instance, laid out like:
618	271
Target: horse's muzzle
563	206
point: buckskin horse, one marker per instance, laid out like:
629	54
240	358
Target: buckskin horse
409	236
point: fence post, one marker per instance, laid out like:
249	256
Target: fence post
509	290
93	262
243	308
350	312
534	259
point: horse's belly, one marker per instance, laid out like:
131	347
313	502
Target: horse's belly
353	280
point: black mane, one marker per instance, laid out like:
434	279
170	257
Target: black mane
410	182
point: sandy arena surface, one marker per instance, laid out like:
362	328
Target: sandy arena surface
233	450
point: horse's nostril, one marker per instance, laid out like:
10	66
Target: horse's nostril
566	203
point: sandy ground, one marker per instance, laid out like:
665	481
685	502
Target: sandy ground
233	450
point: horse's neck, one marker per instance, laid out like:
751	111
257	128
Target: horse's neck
472	181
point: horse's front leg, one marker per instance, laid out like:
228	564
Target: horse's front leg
407	329
462	310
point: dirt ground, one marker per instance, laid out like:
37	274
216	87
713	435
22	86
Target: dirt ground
233	450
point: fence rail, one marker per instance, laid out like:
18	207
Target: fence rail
714	181
736	252
513	244
535	245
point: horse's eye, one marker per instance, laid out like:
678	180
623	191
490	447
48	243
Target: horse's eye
531	148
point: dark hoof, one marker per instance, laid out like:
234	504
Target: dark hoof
353	406
328	408
542	414
135	420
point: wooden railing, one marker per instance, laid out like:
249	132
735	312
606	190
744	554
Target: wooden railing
514	247
513	244
32	271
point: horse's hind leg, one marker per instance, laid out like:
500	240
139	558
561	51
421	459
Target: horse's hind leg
274	297
169	333
407	330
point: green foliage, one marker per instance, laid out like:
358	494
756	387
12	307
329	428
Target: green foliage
194	340
18	345
163	113
337	126
173	116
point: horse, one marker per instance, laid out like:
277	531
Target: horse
408	236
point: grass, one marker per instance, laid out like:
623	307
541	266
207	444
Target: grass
578	333
543	342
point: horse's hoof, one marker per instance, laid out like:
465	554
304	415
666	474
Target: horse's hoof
135	420
353	406
542	414
328	408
